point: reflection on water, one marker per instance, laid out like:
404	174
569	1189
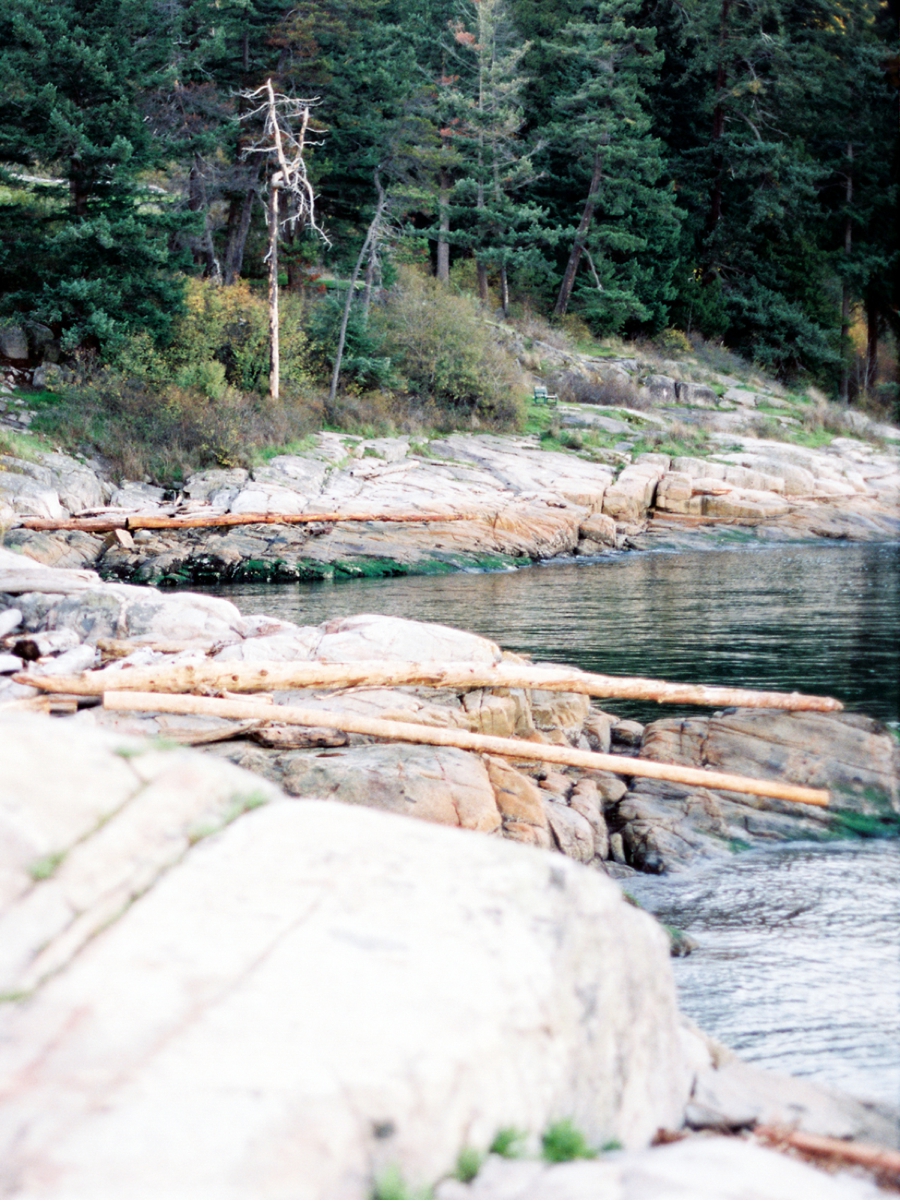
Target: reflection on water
821	619
797	966
798	963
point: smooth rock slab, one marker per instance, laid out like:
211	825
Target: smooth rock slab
320	992
437	784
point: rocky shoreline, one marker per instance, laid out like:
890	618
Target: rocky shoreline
178	927
510	503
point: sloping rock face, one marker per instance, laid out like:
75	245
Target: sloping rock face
301	996
666	826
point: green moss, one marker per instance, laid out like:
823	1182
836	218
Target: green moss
865	826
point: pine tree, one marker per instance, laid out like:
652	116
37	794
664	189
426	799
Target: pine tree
88	255
628	219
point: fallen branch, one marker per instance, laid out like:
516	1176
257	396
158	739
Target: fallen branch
882	1160
214	676
152	521
410	732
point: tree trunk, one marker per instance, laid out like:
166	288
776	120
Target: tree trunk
871	346
481	272
568	280
239	217
274	352
715	205
371	235
370	281
443	246
433	736
504	290
845	291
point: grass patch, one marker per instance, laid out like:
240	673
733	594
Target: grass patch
563	1141
509	1142
468	1165
21	446
392	1184
43	869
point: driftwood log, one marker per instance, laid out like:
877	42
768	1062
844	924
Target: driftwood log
152	521
880	1160
410	732
213	676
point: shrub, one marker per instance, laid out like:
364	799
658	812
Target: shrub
445	351
221	338
575	389
563	1141
509	1142
468	1164
163	434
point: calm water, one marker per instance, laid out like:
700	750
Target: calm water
798	965
822	619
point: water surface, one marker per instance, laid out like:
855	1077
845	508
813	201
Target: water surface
820	618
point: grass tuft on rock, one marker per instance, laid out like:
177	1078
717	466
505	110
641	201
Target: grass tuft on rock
563	1141
509	1142
468	1165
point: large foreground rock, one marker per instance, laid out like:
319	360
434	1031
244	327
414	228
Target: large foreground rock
315	993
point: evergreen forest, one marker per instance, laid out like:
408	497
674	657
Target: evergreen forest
723	168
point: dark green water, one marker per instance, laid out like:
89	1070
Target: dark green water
821	618
798	965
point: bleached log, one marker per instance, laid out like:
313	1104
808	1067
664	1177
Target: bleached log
238	677
154	521
410	732
881	1160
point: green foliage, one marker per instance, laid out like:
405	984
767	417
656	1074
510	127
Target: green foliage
446	353
563	1141
468	1164
391	1184
509	1142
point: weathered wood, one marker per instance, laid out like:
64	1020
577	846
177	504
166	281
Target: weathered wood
881	1160
153	521
252	677
410	732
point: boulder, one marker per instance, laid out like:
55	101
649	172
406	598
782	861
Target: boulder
742	477
77	485
698	467
202	486
552	710
698	396
307	995
741	396
13	342
666	827
281	648
573	832
437	784
373	636
124	611
662	389
26	496
630	497
674	493
520	804
598	528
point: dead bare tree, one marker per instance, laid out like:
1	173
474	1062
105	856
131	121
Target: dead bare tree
369	247
286	131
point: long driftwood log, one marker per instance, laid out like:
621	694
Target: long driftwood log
152	521
410	732
881	1160
213	676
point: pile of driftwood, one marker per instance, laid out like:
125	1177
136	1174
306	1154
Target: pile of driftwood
219	689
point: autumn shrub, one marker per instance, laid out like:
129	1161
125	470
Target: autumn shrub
163	434
221	340
575	389
445	352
